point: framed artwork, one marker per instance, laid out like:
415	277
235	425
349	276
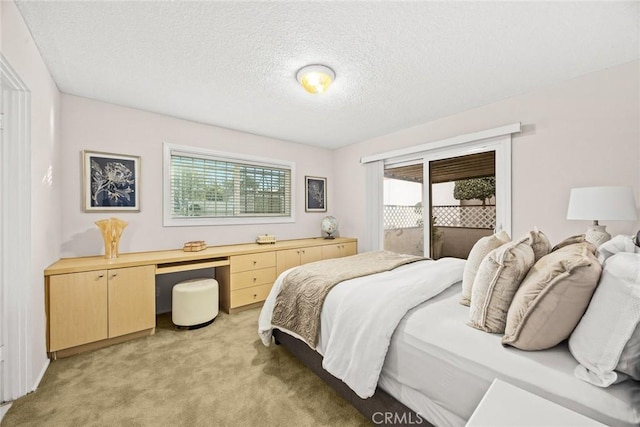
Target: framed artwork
315	194
110	182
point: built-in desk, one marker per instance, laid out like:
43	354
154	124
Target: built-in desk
93	301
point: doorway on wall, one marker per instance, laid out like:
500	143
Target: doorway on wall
15	239
462	206
403	208
447	216
3	319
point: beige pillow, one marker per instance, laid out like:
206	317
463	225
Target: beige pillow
579	238
481	248
498	278
552	298
539	243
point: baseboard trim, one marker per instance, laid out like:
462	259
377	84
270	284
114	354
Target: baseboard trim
4	408
42	372
53	355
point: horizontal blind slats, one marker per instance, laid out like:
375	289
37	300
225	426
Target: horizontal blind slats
215	188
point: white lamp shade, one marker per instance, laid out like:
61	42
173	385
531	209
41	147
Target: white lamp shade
602	203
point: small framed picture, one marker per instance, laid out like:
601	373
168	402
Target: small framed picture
110	182
315	194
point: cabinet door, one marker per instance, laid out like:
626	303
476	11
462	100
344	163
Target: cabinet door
349	249
132	300
77	309
339	250
331	251
310	254
287	259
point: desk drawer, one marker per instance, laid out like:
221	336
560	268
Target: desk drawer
249	295
246	279
252	261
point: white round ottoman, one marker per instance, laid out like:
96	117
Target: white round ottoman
194	303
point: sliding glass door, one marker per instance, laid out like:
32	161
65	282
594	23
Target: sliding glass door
438	204
403	210
462	204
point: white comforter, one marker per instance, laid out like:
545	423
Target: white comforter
360	315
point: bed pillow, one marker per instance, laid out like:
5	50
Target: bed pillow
616	245
579	238
479	250
539	242
552	298
498	278
606	342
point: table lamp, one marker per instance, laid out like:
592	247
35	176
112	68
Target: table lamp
601	203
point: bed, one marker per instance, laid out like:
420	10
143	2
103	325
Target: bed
435	367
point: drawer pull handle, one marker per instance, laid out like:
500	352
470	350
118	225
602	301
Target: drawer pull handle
255	262
254	279
303	251
255	296
100	276
114	274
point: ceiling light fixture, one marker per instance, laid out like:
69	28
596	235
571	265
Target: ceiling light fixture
315	78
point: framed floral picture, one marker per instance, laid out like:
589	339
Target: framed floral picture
110	182
315	194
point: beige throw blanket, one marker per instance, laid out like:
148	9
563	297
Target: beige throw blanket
299	303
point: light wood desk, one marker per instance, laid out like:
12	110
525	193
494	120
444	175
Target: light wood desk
92	302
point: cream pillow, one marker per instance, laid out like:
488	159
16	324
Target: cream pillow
579	238
539	243
606	342
481	248
498	278
552	298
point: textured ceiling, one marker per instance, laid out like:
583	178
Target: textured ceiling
398	64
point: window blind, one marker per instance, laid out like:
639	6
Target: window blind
209	187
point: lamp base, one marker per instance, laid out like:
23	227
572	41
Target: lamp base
597	234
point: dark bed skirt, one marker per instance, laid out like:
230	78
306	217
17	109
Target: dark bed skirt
381	408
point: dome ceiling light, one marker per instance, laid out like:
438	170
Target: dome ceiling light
315	78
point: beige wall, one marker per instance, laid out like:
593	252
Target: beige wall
22	54
581	132
93	125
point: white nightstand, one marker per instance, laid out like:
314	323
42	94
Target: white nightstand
507	405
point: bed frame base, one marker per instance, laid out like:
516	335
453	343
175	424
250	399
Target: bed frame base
381	408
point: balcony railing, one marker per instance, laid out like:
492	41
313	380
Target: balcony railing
470	216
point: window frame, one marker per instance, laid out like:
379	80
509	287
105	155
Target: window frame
167	219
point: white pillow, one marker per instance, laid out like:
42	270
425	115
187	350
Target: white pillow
616	245
606	342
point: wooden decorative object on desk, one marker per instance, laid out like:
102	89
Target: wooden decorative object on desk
195	246
111	230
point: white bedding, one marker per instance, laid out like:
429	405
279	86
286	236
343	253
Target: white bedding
442	370
366	311
440	367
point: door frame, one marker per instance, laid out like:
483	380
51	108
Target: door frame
497	139
502	148
15	227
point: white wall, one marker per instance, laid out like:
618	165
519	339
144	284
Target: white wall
92	125
581	132
22	54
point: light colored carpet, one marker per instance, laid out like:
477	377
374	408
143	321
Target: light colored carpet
220	375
